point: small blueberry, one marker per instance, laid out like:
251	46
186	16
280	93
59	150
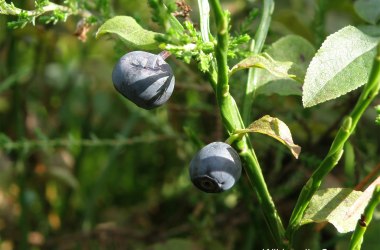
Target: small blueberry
215	168
144	78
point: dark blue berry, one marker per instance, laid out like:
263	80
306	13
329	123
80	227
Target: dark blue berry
144	78
215	168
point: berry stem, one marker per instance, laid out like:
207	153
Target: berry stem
164	54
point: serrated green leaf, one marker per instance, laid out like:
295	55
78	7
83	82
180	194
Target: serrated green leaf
276	129
342	207
264	61
342	64
331	205
127	29
368	10
289	48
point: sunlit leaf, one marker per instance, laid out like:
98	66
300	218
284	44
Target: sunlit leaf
341	65
332	205
277	129
341	207
130	32
264	61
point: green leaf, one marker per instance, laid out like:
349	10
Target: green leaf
289	48
175	24
341	207
342	64
368	10
275	128
130	32
264	61
331	205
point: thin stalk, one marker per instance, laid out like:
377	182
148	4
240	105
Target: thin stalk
26	145
204	14
363	222
232	121
204	18
256	46
371	89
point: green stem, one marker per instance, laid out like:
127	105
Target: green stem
361	226
371	89
259	186
9	9
204	14
256	47
233	121
24	144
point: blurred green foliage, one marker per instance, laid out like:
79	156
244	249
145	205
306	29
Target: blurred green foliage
82	168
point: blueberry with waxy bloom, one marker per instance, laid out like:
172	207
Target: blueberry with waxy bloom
144	78
215	168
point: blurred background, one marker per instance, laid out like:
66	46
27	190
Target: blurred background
83	168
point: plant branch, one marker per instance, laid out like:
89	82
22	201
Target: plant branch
10	9
233	121
51	11
371	89
8	144
363	222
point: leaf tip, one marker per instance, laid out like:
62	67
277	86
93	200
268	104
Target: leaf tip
306	102
296	151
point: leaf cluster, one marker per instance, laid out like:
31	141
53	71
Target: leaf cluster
46	12
161	12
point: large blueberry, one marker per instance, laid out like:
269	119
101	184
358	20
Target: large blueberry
144	78
215	168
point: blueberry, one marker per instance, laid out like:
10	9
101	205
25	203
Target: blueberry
215	168
144	78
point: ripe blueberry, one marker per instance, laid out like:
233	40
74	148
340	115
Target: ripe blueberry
144	78
215	168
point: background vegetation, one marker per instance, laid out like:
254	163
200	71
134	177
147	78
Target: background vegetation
82	168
